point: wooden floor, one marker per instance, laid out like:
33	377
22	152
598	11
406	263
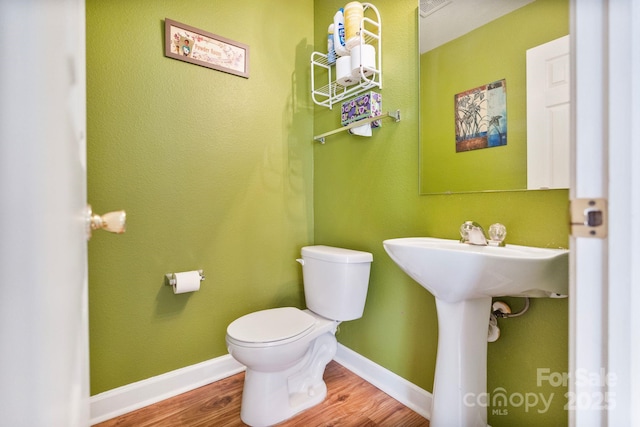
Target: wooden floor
350	402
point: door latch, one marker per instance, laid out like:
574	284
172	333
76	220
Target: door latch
589	218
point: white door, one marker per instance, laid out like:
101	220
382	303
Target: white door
44	377
548	115
605	281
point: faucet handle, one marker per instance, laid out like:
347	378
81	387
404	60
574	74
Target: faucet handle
497	234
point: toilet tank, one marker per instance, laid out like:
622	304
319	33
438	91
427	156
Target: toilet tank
335	281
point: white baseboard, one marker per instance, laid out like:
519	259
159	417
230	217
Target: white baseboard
405	392
122	400
130	397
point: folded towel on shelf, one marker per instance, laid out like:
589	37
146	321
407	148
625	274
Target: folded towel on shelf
364	130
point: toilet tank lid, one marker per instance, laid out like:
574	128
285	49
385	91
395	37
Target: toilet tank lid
275	324
333	254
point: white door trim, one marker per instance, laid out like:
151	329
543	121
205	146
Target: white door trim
604	294
624	201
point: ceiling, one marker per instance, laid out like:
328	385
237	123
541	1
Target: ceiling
449	19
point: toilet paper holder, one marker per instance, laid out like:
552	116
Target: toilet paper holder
171	281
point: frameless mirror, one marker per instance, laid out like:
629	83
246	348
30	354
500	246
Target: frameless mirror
474	134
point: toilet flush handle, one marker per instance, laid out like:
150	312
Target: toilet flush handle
300	260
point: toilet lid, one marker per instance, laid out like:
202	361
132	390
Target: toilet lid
271	325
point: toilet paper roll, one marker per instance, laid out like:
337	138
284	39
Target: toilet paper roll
188	281
364	55
343	71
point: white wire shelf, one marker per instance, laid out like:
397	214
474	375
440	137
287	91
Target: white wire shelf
329	92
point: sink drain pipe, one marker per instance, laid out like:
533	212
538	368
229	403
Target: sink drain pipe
501	309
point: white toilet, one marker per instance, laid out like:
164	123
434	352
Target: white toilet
287	349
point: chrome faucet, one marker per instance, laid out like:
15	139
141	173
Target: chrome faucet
472	233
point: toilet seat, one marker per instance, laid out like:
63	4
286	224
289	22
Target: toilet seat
274	326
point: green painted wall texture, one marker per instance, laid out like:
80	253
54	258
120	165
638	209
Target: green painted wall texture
220	172
214	170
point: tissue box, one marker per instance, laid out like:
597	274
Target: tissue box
364	106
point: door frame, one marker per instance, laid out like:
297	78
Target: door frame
604	294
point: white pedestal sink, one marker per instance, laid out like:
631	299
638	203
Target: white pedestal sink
463	278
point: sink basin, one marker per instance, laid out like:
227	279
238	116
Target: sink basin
454	271
463	278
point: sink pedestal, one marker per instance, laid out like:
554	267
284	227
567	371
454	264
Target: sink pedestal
460	384
463	278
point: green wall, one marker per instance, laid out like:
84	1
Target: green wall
220	172
367	190
214	171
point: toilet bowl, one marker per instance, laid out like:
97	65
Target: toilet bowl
286	350
284	373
